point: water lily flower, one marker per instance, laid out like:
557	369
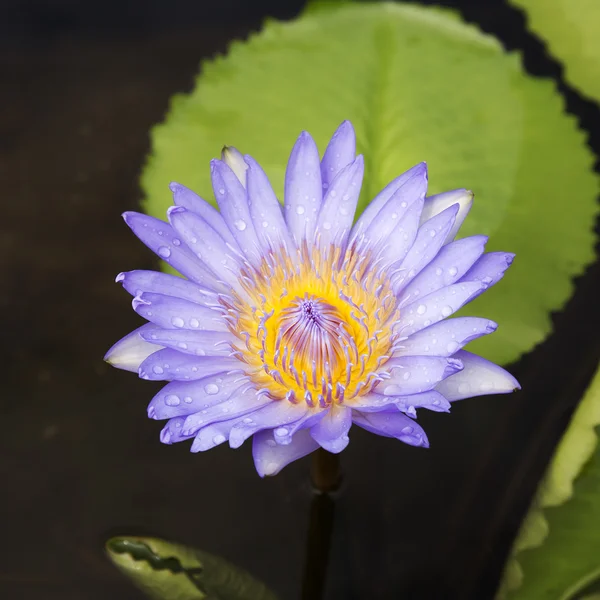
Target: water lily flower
292	323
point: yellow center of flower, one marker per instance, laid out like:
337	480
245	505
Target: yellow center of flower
317	326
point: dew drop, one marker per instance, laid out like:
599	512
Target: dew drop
172	400
200	352
438	271
211	389
182	345
188	399
403	204
407	430
406	375
240	224
327	225
177	322
221	191
265	223
432	233
421	309
300	209
394	215
281	432
194	323
219	439
176	242
158	370
452	271
446	311
164	252
247	420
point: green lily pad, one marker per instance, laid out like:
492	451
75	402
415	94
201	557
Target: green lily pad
557	553
168	571
418	84
571	30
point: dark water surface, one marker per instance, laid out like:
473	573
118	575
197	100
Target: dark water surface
82	83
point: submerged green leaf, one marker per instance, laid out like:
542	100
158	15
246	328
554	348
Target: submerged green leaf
168	571
571	29
557	553
418	84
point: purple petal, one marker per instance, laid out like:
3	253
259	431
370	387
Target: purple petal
373	208
489	269
450	264
182	196
169	364
339	204
233	203
174	313
478	377
275	415
415	374
389	218
265	210
210	248
180	398
340	152
331	432
164	241
212	435
241	404
426	246
172	432
445	337
303	188
440	202
139	282
131	351
399	243
270	457
394	425
199	343
434	307
431	400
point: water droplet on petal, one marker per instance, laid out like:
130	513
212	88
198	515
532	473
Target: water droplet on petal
158	370
176	242
247	420
172	400
421	309
403	204
438	271
452	271
211	388
300	209
182	345
432	233
446	311
281	432
188	399
406	375
221	191
164	252
177	322
240	224
265	223
219	439
407	430
194	323
327	225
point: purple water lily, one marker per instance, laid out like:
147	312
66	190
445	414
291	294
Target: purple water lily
290	324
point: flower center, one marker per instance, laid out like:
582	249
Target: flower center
311	340
314	327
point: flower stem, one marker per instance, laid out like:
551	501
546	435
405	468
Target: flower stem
325	477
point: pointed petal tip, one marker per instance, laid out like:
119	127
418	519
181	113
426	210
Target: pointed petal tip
139	301
120	277
173	210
